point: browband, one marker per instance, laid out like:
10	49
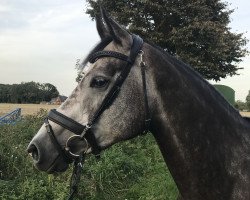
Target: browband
136	47
94	57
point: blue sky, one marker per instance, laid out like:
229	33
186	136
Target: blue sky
42	40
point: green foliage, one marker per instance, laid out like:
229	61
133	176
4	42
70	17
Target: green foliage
29	92
248	101
195	31
240	105
130	170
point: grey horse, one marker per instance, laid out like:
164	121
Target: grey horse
203	139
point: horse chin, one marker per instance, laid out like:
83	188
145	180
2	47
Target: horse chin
57	168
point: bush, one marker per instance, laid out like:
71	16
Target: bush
240	105
130	170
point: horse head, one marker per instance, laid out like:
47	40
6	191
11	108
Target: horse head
106	107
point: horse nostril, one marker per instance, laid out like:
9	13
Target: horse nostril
33	151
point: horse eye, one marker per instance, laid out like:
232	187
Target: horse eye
99	82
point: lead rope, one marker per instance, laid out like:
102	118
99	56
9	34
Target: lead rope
75	177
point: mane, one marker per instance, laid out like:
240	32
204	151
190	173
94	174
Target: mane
195	75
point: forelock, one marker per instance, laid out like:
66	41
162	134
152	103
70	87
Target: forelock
100	46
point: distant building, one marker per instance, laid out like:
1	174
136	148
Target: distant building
58	100
227	92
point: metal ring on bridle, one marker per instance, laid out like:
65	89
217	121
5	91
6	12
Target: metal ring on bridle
73	137
88	126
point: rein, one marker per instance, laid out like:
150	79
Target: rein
83	132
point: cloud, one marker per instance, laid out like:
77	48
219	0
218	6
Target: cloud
41	41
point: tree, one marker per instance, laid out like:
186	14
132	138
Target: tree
248	101
240	105
197	32
4	93
49	91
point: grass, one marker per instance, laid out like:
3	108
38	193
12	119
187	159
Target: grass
130	170
27	109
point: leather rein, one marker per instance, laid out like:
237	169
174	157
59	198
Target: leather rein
83	132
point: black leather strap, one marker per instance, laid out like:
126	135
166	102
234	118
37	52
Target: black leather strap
53	139
136	48
65	122
94	57
90	137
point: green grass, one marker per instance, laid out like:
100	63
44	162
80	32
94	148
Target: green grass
130	170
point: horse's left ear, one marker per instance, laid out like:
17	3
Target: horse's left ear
109	27
121	35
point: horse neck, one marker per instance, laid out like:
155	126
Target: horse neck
194	126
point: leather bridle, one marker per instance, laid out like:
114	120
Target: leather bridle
83	132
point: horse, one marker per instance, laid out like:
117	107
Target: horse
130	86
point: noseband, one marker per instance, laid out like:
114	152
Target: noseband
83	132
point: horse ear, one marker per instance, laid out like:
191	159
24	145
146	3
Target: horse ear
107	27
101	28
121	34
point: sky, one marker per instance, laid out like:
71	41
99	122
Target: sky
41	41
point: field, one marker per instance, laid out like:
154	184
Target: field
31	109
27	109
246	114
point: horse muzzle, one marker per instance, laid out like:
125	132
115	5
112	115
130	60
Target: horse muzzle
45	157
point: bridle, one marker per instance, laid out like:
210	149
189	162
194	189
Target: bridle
83	132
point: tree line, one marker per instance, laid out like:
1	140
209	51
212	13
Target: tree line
27	92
